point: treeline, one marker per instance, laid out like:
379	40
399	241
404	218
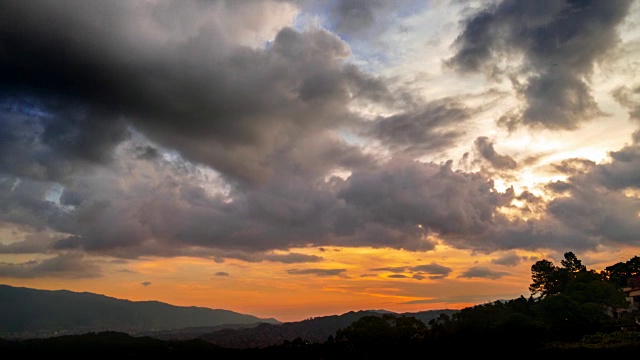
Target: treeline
567	314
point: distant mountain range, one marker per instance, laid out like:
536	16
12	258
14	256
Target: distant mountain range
31	313
28	312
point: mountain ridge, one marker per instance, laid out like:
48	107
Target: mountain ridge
35	313
312	330
28	312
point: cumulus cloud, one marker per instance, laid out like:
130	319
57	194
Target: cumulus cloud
559	42
408	194
234	108
596	207
486	150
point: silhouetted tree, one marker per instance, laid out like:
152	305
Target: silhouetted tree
549	279
619	273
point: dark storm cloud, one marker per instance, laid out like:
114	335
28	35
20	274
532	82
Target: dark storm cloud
183	84
24	202
65	266
483	272
162	211
51	146
486	150
317	272
433	126
406	194
560	41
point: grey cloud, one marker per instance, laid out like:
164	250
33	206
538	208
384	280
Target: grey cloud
560	42
160	209
574	166
433	126
62	266
485	148
266	118
596	207
483	272
36	243
558	186
233	108
24	202
398	276
352	16
508	260
145	283
221	273
622	172
253	257
434	270
317	272
629	98
593	210
355	19
292	258
407	194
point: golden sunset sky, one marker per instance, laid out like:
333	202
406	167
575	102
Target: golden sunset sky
293	159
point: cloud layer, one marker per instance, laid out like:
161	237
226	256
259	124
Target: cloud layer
225	130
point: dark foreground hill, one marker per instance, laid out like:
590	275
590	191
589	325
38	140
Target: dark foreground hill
35	313
316	330
114	344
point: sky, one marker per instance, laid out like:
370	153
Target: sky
294	159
